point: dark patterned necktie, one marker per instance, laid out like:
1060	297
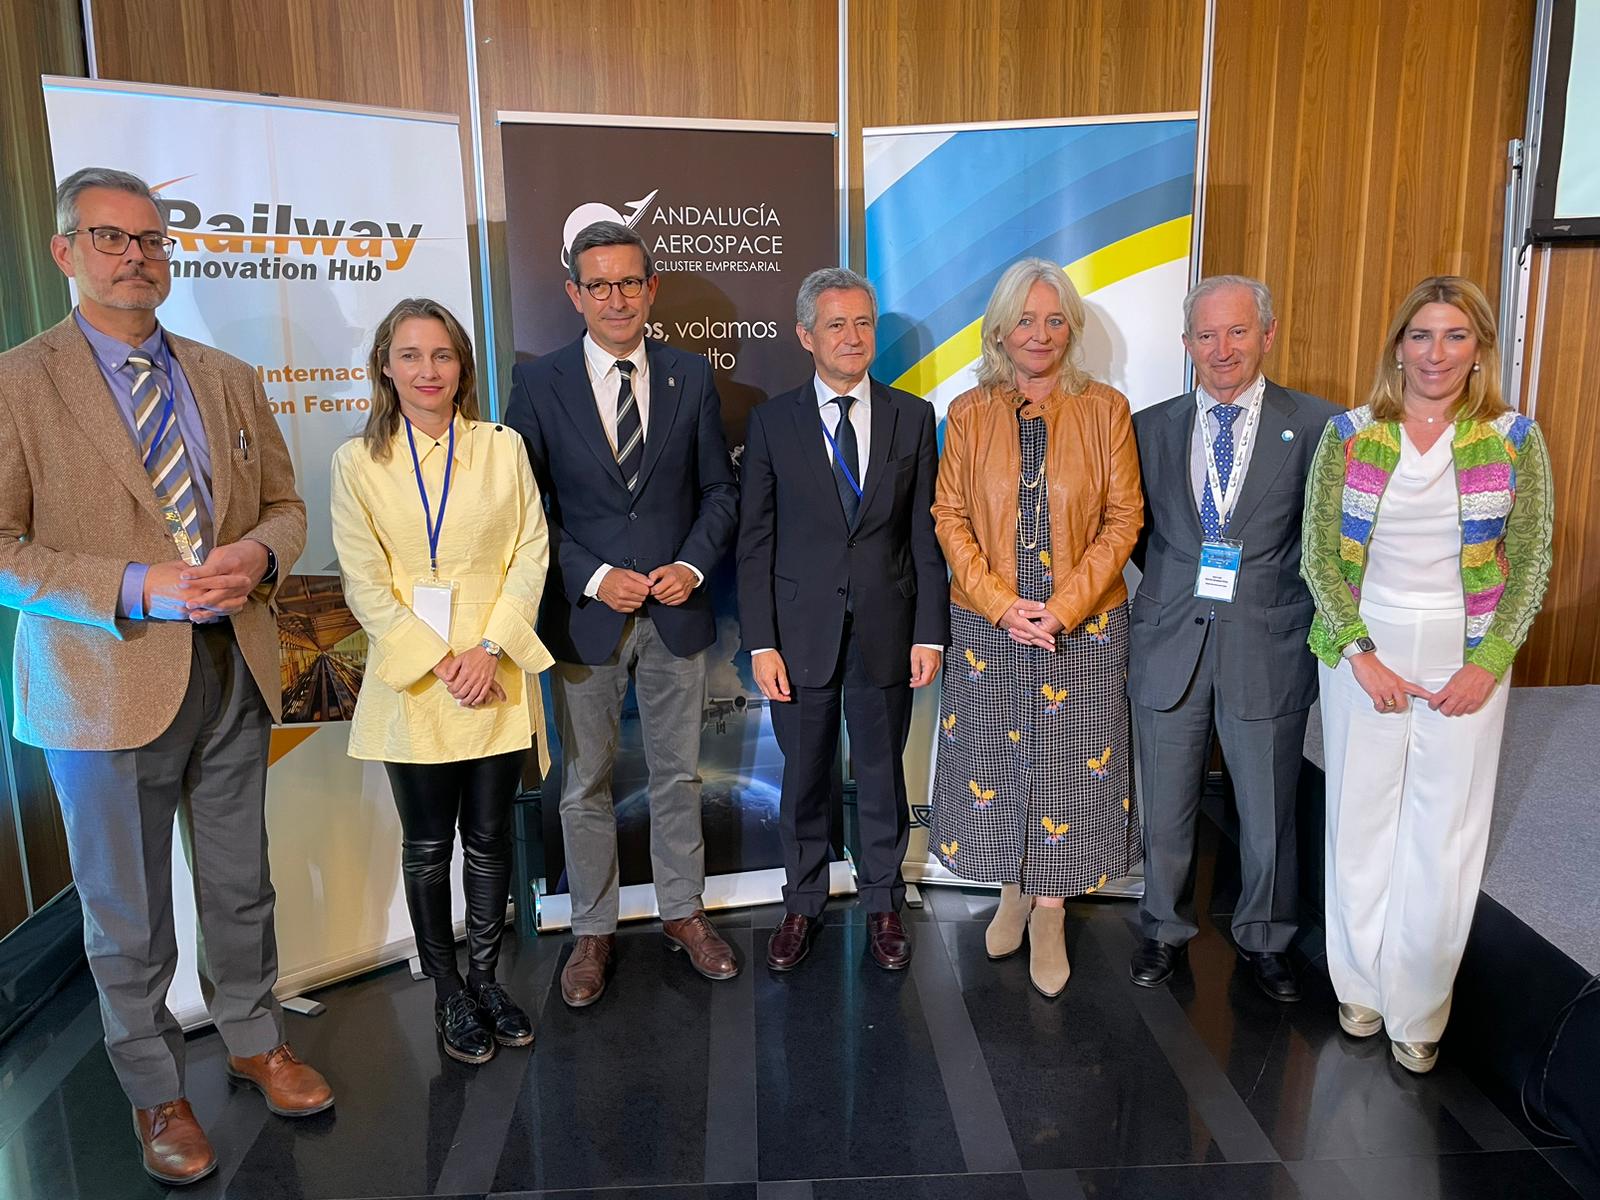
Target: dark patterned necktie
630	430
846	455
1222	450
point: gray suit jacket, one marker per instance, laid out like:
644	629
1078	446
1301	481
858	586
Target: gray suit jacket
1265	670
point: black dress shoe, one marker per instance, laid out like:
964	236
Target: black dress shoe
499	1011
888	941
791	941
1153	963
1273	975
466	1038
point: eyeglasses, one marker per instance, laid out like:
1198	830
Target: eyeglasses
108	239
600	289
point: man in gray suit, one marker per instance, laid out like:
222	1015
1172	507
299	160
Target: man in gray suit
1219	628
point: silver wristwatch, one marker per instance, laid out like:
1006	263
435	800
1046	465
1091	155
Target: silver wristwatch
492	647
1362	645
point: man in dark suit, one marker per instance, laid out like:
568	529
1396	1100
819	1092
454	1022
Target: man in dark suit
1219	628
842	593
625	437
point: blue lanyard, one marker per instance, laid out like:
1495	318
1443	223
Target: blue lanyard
434	527
169	412
839	458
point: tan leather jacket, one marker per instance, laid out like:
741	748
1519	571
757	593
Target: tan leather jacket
1096	509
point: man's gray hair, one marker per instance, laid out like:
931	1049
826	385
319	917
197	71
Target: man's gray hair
826	280
606	233
74	185
1259	292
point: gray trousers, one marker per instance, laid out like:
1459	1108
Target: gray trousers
588	705
209	771
1263	760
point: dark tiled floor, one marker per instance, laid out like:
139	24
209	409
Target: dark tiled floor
952	1081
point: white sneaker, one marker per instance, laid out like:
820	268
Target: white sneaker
1417	1057
1359	1021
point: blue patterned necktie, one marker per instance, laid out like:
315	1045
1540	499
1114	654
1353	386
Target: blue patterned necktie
1222	450
630	428
161	447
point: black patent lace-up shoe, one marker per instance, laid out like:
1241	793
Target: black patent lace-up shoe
499	1011
465	1037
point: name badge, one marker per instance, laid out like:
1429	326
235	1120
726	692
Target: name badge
1218	577
432	602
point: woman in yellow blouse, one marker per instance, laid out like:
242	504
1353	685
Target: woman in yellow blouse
442	548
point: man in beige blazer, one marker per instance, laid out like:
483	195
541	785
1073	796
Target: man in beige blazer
147	504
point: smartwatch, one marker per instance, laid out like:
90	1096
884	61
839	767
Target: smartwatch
1362	645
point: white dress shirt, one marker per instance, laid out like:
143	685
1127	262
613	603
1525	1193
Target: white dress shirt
1249	399
605	383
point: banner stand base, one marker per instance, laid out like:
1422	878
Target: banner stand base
637	901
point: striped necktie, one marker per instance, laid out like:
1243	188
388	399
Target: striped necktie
630	429
161	448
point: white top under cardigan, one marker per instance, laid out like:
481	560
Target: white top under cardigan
1414	557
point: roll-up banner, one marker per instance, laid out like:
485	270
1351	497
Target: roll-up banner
949	207
299	225
735	215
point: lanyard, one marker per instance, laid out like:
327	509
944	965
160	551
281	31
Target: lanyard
1243	441
434	527
839	458
170	409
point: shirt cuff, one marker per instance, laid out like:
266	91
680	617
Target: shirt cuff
764	650
592	588
130	601
693	570
929	646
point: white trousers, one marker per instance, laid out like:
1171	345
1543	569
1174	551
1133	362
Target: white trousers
1410	795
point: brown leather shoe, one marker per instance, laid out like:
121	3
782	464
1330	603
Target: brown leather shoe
791	941
176	1149
291	1088
889	941
708	953
583	979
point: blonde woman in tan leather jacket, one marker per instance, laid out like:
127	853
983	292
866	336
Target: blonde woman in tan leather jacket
1037	509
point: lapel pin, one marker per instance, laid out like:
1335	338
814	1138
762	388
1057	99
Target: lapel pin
671	382
1287	435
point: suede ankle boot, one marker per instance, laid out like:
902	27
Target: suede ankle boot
1004	935
1048	967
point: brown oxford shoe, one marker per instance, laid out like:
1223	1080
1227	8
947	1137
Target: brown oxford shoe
889	941
698	937
290	1087
791	941
583	979
175	1148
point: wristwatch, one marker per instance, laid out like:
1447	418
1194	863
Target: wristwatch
272	566
1362	645
492	647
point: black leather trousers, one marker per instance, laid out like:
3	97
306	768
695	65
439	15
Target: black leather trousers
433	799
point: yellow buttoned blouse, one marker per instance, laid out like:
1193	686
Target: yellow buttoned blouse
493	546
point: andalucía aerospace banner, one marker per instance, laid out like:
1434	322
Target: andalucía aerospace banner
735	218
949	208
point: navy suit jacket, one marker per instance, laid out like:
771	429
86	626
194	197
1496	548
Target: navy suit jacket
799	561
685	506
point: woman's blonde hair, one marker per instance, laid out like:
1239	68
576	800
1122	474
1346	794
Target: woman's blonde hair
383	418
1482	400
1010	297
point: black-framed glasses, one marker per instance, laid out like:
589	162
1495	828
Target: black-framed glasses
108	239
600	289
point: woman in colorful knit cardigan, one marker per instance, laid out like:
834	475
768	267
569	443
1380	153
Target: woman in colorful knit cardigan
1427	549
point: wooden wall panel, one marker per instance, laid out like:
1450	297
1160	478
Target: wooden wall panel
37	37
1564	647
770	60
1357	147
